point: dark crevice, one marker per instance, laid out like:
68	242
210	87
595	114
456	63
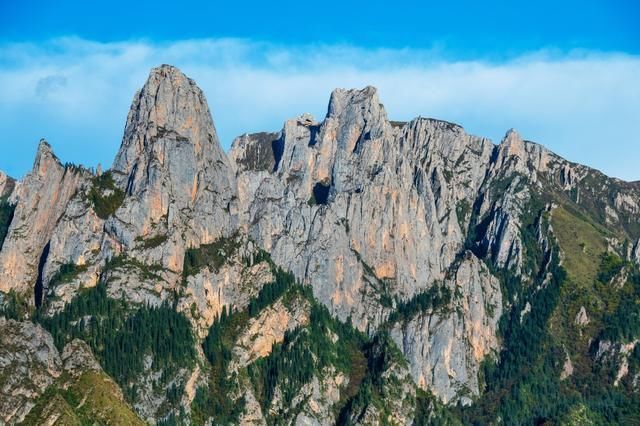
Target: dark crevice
321	193
38	289
6	216
129	190
364	137
277	146
313	134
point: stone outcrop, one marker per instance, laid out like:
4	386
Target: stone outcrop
6	185
41	199
29	363
231	285
267	330
445	346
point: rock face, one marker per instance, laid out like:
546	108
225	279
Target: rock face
368	212
176	176
445	347
232	284
268	329
41	199
355	204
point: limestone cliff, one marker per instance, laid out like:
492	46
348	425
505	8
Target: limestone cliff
419	256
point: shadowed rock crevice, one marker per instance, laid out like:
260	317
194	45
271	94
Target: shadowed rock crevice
277	146
38	289
6	216
321	193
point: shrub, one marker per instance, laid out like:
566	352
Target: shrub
105	205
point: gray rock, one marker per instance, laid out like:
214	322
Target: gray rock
41	200
29	363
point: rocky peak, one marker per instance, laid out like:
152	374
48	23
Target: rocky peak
178	183
45	158
345	100
528	157
6	184
168	115
355	116
41	199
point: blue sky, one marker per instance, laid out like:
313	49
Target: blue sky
565	74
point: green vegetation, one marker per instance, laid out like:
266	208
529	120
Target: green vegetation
125	263
305	352
214	401
212	255
14	306
269	293
312	201
120	336
438	296
524	385
376	389
6	216
66	273
153	242
430	411
105	196
623	323
610	266
582	243
463	209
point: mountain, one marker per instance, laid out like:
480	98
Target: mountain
353	270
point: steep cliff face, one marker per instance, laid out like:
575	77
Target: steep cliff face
428	267
362	209
40	199
176	176
446	344
370	213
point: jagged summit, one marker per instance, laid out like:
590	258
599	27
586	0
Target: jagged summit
44	157
7	183
366	98
169	107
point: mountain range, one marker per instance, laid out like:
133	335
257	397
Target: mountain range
353	270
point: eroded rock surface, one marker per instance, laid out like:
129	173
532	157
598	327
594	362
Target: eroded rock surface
29	363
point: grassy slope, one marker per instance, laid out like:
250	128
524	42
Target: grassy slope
583	244
93	398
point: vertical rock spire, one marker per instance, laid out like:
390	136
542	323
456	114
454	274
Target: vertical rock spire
176	176
41	199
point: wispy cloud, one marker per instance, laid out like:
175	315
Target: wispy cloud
583	105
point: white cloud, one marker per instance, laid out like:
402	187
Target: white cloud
583	105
